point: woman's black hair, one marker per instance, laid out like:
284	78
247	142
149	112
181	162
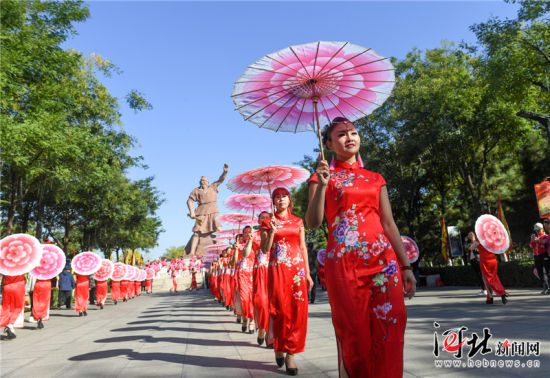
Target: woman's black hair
325	134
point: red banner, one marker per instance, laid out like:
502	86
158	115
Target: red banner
542	191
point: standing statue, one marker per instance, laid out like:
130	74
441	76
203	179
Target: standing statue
206	212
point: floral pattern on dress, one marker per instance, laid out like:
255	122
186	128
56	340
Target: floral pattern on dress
343	179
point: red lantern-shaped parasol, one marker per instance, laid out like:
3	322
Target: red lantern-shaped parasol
19	254
410	248
492	234
51	264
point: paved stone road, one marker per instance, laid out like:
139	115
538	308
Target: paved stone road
190	335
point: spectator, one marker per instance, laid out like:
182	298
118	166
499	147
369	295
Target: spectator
473	257
312	260
66	285
92	283
539	243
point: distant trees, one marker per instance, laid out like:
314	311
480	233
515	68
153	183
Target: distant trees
64	155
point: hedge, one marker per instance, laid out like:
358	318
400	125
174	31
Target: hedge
511	274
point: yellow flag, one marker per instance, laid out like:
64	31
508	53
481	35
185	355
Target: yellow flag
444	242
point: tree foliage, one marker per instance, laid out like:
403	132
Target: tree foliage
449	140
65	156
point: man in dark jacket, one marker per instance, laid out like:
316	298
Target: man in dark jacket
66	285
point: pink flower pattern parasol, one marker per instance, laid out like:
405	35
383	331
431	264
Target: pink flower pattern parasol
410	248
235	218
300	86
322	256
51	264
150	273
142	275
135	274
105	271
249	203
86	263
265	179
19	254
119	272
129	273
491	234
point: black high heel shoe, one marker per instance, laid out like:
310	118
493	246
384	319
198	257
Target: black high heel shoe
238	319
290	371
504	299
280	361
489	301
40	324
243	328
260	341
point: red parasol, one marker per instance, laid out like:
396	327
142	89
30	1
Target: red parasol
105	271
19	254
51	264
86	263
410	248
296	88
492	234
248	203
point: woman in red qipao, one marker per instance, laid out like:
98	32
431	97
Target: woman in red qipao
115	291
489	266
174	283
124	290
246	256
13	302
82	294
288	280
259	284
41	300
235	254
101	293
366	278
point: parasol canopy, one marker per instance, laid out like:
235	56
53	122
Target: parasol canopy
492	234
51	264
105	271
264	179
249	203
86	263
322	256
150	273
19	254
235	218
119	271
411	248
299	87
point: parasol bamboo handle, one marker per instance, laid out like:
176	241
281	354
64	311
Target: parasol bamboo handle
315	100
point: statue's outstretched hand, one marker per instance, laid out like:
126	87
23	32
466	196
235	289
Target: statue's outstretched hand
225	168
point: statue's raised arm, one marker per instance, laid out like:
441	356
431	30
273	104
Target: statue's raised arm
223	175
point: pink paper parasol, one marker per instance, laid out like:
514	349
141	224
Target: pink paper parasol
150	273
135	273
19	254
249	203
297	88
235	218
86	263
410	248
142	275
119	271
51	264
105	271
492	234
322	256
216	248
129	273
265	179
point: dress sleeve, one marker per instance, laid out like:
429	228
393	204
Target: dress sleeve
381	180
193	195
313	178
265	224
300	222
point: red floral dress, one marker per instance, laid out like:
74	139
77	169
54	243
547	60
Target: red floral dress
362	276
244	278
489	267
82	293
259	285
13	300
287	286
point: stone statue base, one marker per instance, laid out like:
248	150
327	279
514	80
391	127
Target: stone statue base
204	241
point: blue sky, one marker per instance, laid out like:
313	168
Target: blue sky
185	56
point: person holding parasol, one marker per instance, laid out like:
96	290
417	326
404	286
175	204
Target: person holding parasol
367	269
288	279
